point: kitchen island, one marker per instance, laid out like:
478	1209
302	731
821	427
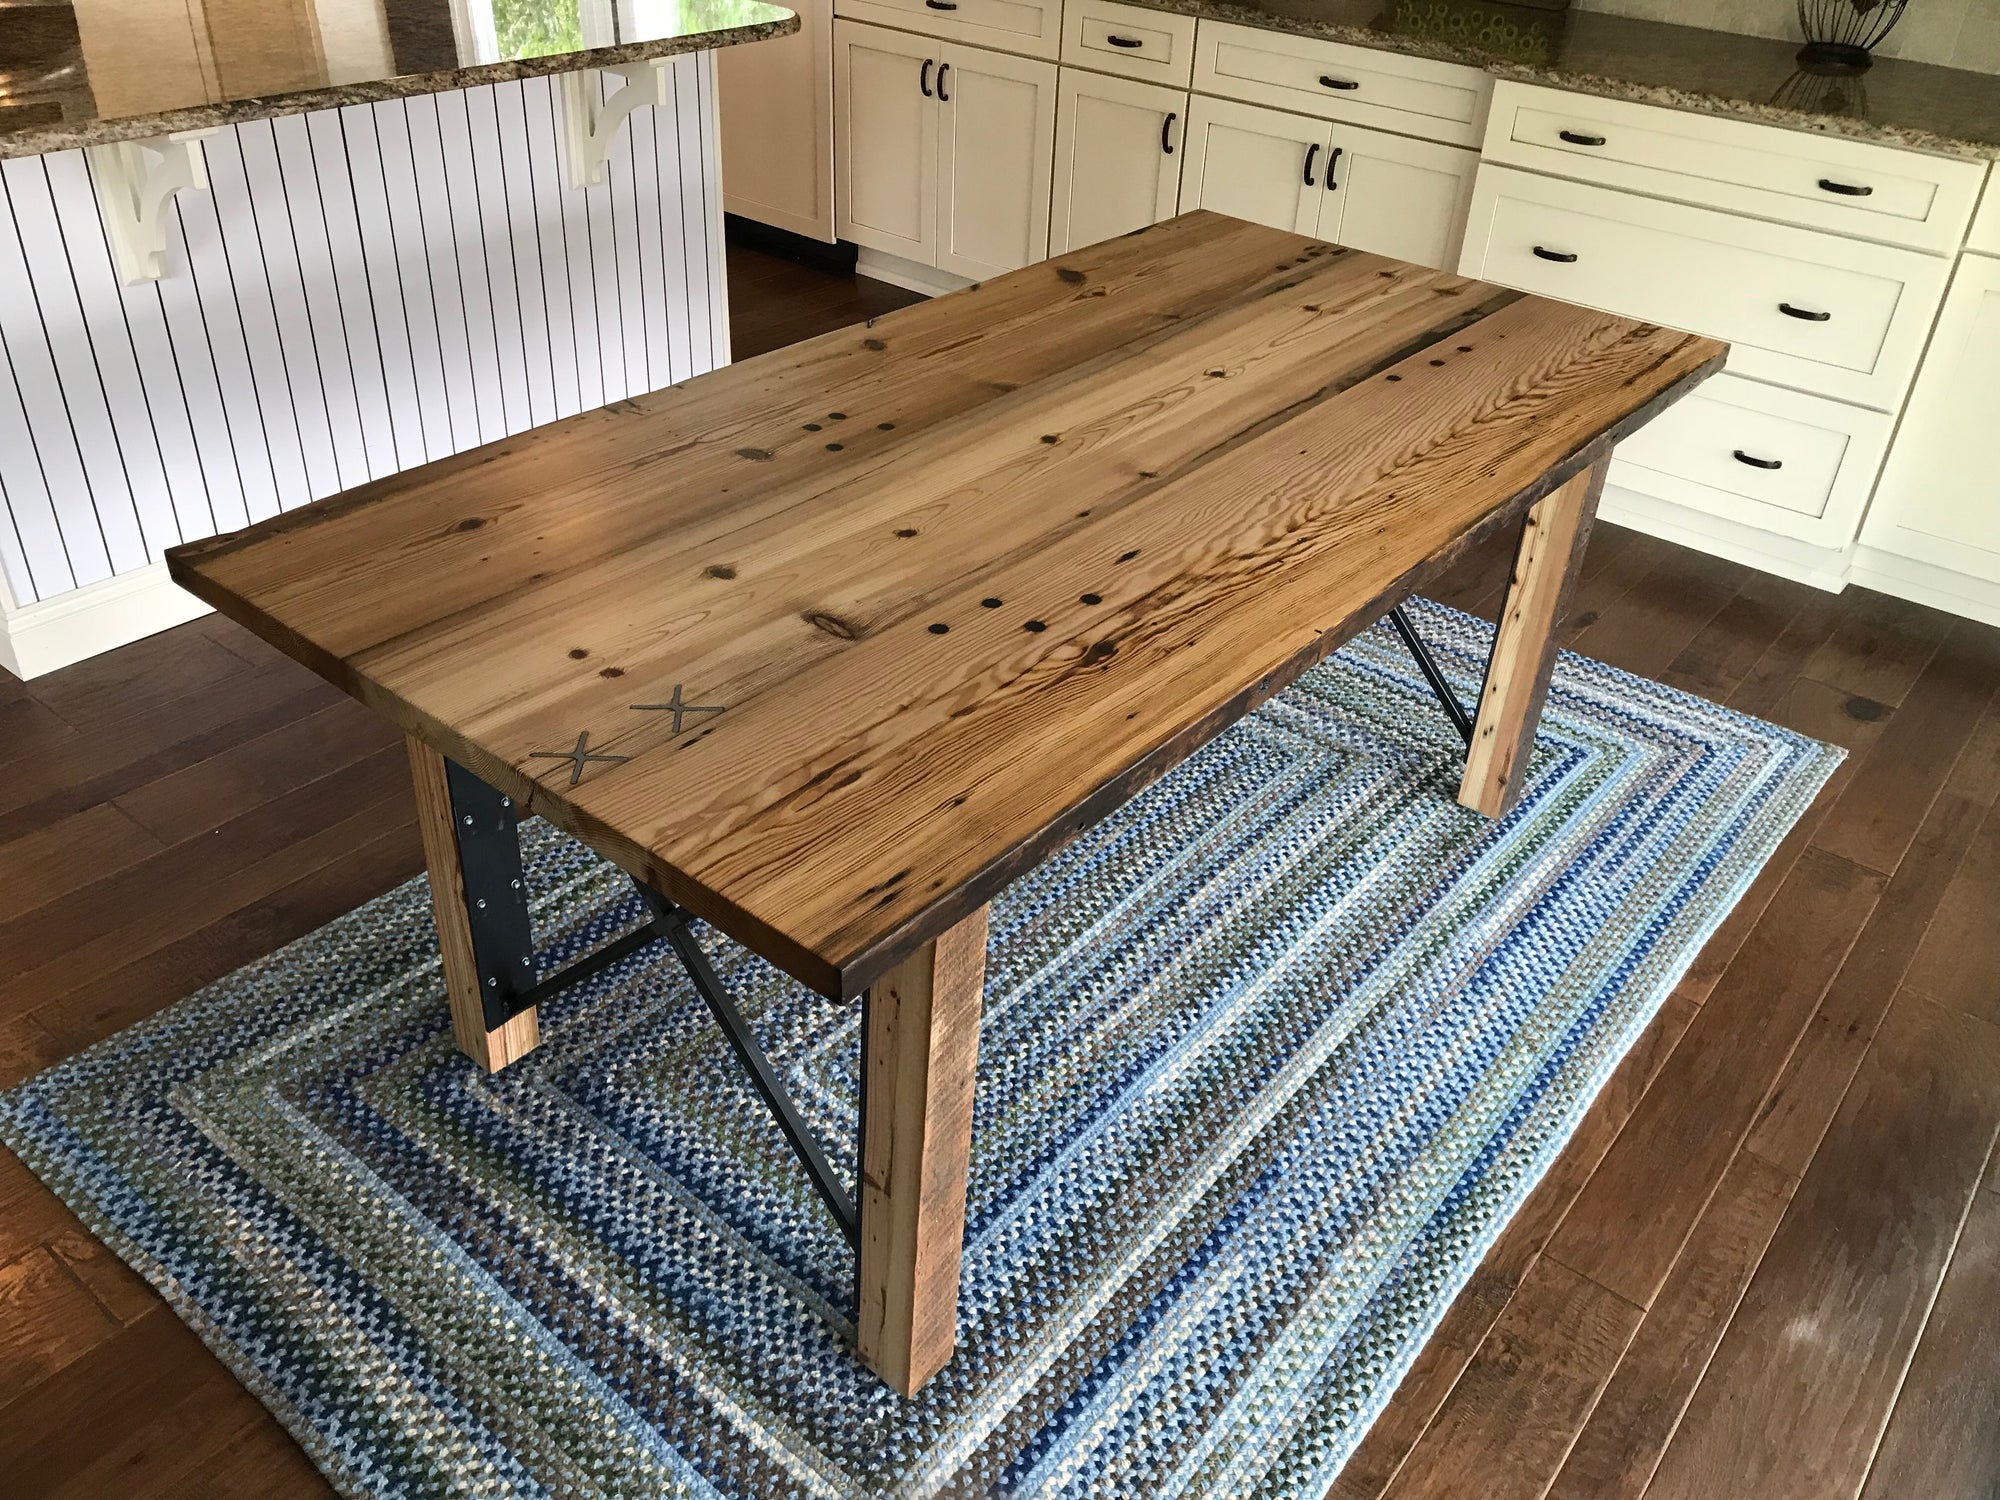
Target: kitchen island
252	255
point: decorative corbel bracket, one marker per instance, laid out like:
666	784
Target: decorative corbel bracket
590	122
134	181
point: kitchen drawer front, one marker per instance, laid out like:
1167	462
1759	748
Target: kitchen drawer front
1849	187
1409	95
1032	28
1832	316
1713	451
1149	45
1986	227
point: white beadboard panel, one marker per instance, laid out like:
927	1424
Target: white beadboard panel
360	290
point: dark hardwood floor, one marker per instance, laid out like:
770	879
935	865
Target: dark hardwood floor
1767	1267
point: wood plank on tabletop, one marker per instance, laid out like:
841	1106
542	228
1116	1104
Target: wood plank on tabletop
1615	1453
1802	1384
1473	1312
1893	787
1627	1226
1943	1438
1514	1412
1817	1074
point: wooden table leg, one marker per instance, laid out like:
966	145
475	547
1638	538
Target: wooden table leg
1524	644
467	979
921	1042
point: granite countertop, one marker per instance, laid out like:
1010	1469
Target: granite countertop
1917	105
85	72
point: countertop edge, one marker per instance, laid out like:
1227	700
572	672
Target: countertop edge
71	137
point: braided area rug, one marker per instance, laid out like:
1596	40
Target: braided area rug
1269	1057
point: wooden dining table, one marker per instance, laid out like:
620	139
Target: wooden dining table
826	647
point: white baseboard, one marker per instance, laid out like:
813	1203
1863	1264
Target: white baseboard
1906	578
1821	567
38	638
910	275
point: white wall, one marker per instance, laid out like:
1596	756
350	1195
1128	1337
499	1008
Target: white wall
361	290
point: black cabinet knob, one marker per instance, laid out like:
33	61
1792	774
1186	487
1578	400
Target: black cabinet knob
1803	315
1845	189
1560	257
1124	41
1758	463
1337	83
1575	138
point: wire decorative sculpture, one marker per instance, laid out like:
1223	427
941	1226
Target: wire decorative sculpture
1842	35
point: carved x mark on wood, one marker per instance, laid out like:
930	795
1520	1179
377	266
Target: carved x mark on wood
678	709
577	757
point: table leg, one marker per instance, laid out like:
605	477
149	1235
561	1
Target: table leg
1524	644
920	1043
480	901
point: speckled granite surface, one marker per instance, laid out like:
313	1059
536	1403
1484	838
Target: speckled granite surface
1917	105
94	71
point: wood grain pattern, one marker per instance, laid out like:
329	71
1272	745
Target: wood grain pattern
1553	537
1186	464
922	1044
495	1049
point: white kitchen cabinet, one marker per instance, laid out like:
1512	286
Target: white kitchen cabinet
1939	500
996	147
775	111
942	152
1378	192
886	140
1117	163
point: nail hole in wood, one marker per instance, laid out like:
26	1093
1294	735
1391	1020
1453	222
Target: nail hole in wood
835	447
577	653
885	426
721	570
1128	556
812	427
1035	627
836	416
1093	598
991	603
940	628
906	531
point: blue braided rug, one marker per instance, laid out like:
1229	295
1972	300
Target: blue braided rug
1269	1057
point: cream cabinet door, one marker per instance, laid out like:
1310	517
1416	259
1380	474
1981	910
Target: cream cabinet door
1395	196
776	126
1257	164
1117	157
886	139
995	154
1939	500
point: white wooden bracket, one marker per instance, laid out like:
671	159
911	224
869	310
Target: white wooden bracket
135	180
591	118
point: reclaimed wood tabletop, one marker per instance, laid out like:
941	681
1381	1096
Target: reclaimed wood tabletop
866	627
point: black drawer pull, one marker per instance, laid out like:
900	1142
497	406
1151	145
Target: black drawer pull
1759	463
1581	140
1337	83
1845	189
1312	150
1332	161
1167	132
924	78
1560	257
942	4
943	68
1802	315
1117	41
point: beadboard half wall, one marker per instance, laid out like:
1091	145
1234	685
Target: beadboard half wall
360	290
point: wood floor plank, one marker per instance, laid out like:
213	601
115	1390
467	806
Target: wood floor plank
1959	960
1628	1224
1629	1428
1662	613
1893	787
1512	1415
1784	662
144	678
50	862
1725	650
1820	1068
30	1214
119	1290
1879	646
1943	1438
1474	1311
1803	1382
47	1320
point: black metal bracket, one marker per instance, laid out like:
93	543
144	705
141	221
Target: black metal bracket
486	826
1433	674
